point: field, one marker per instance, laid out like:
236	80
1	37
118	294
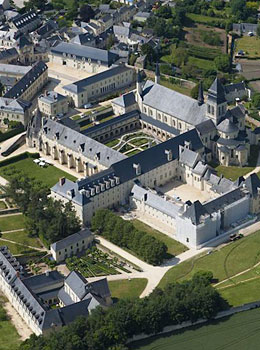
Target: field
232	172
237	332
201	63
174	247
224	262
250	45
11	222
176	87
203	19
125	289
9	338
49	175
22	237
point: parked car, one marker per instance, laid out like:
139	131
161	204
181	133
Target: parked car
87	105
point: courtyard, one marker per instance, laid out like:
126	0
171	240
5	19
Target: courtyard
132	143
183	192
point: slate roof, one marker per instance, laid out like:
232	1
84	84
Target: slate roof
155	201
21	21
244	27
252	183
205	127
80	85
158	124
72	239
47	28
51	97
13	69
227	126
217	92
235	87
74	140
18	89
14	106
224	200
125	100
83	39
105	57
8	53
38	282
189	157
195	212
121	31
173	103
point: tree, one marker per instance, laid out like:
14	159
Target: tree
222	63
195	92
258	30
110	41
256	100
35	4
147	50
86	13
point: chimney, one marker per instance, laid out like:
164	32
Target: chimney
137	168
47	273
62	181
168	152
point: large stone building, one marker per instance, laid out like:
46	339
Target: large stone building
49	301
52	103
81	57
100	85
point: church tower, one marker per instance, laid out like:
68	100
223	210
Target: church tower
216	103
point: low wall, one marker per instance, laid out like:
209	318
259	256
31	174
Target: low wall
221	314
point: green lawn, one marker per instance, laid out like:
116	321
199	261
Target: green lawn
124	289
22	237
16	249
2	205
233	172
132	153
242	293
48	175
112	143
11	222
203	19
201	63
237	332
250	45
9	338
174	247
224	263
175	87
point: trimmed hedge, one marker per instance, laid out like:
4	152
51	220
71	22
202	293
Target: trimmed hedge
22	156
7	135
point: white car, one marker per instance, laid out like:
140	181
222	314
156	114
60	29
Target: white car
88	105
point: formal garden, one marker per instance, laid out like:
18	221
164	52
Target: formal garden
96	263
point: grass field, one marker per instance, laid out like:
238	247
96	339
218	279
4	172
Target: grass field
242	293
232	172
175	87
23	238
250	45
201	63
11	222
237	332
49	175
174	247
125	289
16	249
2	205
9	338
224	263
202	19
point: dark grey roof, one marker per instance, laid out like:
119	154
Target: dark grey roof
125	100
79	85
158	124
227	126
173	103
51	97
6	54
205	127
189	157
252	183
78	284
86	52
83	39
44	280
70	123
234	87
111	122
21	21
23	41
217	92
226	199
24	83
195	212
47	28
78	142
245	27
72	239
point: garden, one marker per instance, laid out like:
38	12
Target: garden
95	263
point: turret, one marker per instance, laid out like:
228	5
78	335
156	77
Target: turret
157	74
216	103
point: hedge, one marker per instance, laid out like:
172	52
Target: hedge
7	135
22	156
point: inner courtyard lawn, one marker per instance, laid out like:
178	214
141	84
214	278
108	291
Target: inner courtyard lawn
11	222
173	247
9	338
126	289
232	172
48	175
223	263
237	332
